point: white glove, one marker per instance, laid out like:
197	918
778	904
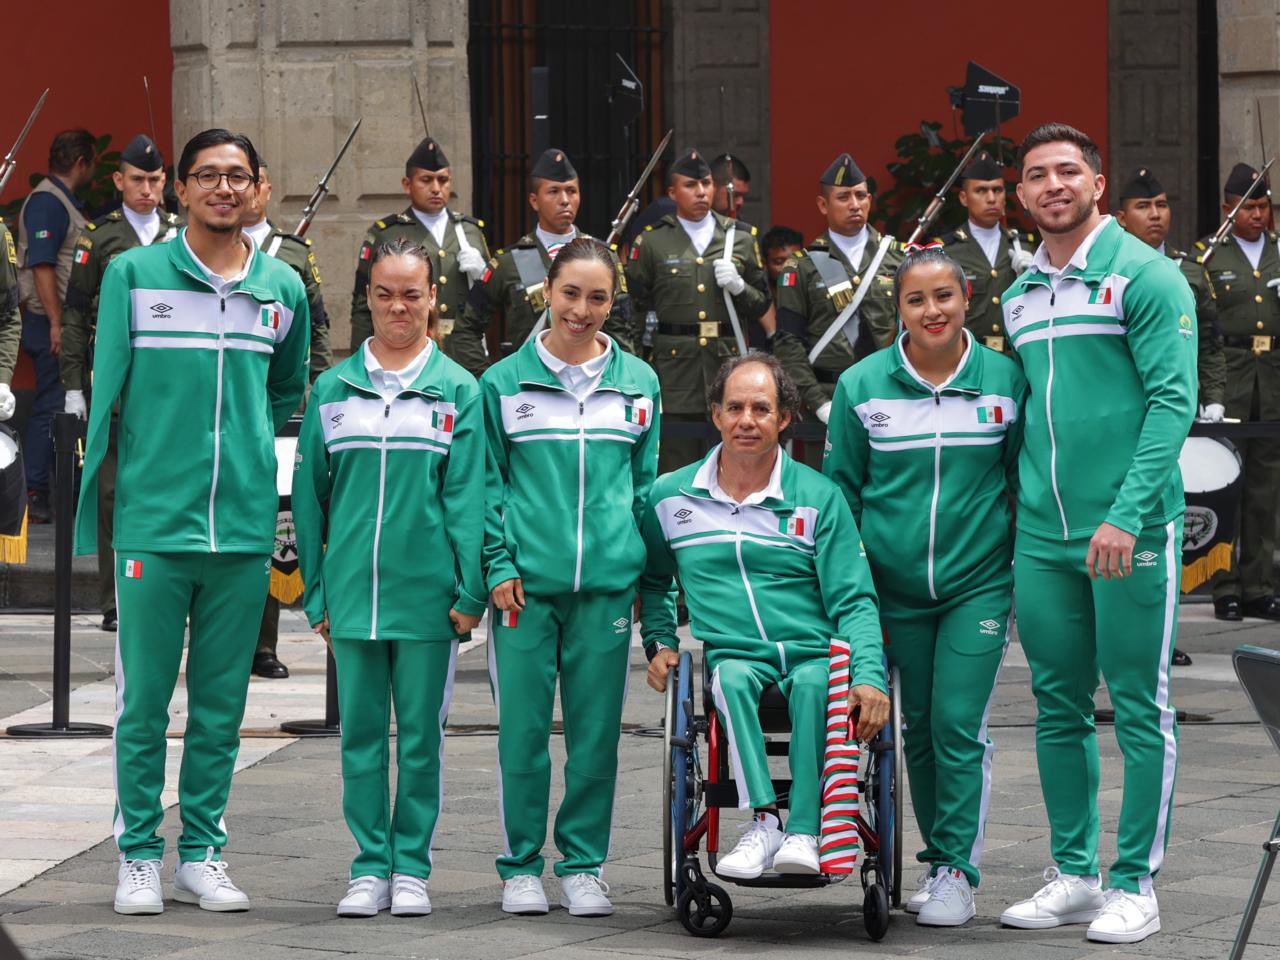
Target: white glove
1212	412
471	262
728	277
823	413
7	402
1021	259
75	404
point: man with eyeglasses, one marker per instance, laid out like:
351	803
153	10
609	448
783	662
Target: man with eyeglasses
202	342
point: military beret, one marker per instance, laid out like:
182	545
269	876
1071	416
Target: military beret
692	165
1142	186
554	165
428	156
142	153
1240	180
982	167
843	172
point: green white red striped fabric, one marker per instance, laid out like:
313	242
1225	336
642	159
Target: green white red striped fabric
839	844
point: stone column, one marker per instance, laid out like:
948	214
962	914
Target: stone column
296	74
1249	79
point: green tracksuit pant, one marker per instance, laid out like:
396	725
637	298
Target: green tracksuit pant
156	593
1071	629
586	639
416	676
948	655
737	685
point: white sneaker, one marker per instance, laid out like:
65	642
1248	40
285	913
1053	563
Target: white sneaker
1064	899
923	891
584	895
1125	917
754	853
138	888
409	896
798	853
950	901
523	894
206	882
366	896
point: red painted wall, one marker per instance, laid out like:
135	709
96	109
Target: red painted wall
93	56
857	81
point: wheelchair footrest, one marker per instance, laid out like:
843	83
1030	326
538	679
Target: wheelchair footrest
795	880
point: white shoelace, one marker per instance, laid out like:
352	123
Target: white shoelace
756	838
1056	881
216	872
524	883
1131	907
946	884
142	874
585	884
413	886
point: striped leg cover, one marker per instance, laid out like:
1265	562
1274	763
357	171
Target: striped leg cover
839	842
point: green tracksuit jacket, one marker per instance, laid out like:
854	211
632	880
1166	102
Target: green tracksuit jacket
193	477
383	500
927	470
770	581
1110	352
567	480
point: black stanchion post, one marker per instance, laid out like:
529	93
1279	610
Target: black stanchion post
331	725
68	429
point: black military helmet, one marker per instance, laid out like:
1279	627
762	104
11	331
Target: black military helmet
142	153
843	172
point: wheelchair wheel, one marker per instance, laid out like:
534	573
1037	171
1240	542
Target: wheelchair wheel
875	911
679	776
708	918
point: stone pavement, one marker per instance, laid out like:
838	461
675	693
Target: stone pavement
290	849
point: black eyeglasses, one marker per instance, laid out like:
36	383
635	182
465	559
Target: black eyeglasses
237	180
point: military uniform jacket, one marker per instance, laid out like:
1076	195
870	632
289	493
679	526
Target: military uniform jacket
667	275
100	242
1211	365
451	282
10	318
1248	313
985	319
297	253
512	283
808	303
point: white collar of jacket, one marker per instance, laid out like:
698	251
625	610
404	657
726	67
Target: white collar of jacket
1079	260
708	479
405	376
590	369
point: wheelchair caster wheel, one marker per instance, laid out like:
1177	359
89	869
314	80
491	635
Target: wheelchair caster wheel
707	919
875	912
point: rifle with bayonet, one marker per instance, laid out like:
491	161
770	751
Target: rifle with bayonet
1224	230
935	205
632	203
322	188
8	164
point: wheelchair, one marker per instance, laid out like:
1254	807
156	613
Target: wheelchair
692	801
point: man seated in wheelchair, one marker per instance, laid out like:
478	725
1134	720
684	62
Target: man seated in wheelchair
772	568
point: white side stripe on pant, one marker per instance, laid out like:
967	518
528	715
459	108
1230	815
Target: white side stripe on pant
1173	571
739	777
118	827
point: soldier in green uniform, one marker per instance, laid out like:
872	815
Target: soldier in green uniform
1244	274
297	253
512	283
10	320
991	253
1144	211
454	240
843	277
683	267
140	221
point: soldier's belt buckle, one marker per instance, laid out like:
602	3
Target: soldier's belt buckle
533	294
1261	344
994	343
444	327
708	328
841	294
